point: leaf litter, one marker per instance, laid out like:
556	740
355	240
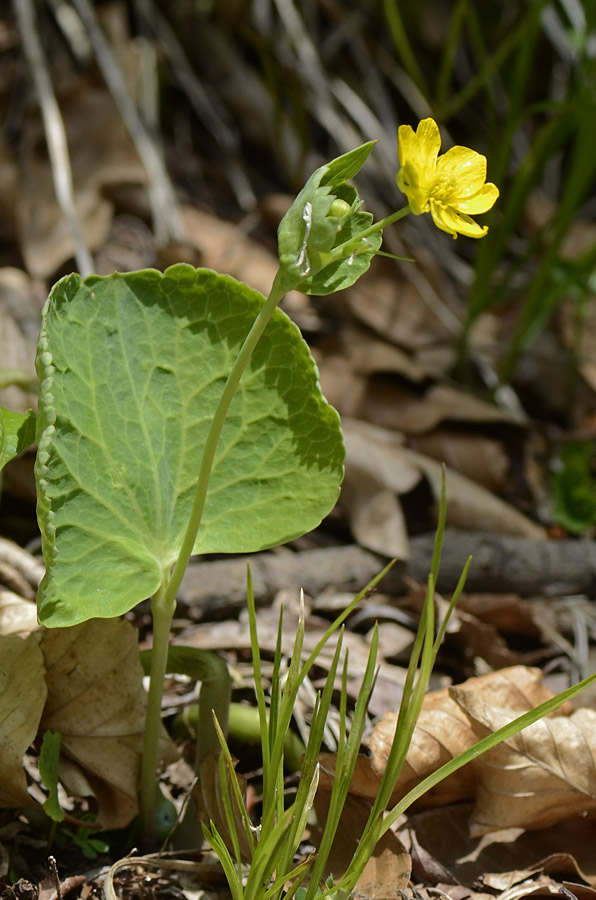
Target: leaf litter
385	365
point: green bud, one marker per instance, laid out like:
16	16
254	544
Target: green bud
339	208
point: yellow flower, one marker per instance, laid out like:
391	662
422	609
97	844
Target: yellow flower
451	187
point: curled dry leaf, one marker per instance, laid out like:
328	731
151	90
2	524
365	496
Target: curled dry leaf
443	731
22	696
96	701
542	775
17	616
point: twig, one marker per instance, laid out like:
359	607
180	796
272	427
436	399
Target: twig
55	877
54	130
162	197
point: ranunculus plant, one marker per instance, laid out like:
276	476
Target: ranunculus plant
180	413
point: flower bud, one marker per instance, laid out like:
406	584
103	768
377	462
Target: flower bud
338	209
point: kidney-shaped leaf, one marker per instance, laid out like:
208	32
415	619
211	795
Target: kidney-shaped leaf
131	369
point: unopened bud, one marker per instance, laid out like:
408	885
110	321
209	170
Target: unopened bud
339	208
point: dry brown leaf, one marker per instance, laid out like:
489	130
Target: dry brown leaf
17	616
22	696
388	870
96	701
418	414
482	459
210	804
473	637
373	481
20	310
507	612
102	155
442	848
375	514
469	506
443	731
369	355
341	385
542	775
396	310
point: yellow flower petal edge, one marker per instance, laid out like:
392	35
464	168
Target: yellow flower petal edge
451	187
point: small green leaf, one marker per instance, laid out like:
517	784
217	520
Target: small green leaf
320	251
574	486
17	432
48	769
131	370
346	166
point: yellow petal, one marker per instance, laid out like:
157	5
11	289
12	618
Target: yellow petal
463	169
448	219
420	147
481	202
408	181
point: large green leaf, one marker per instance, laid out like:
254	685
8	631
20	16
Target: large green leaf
131	368
17	432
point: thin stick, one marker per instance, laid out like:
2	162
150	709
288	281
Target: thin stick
54	130
162	197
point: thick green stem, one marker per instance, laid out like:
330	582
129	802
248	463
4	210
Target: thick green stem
217	423
162	611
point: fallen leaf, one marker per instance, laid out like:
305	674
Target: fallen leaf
472	638
20	311
210	804
442	732
440	837
480	458
507	612
419	414
22	696
542	775
17	616
96	701
396	309
388	870
102	156
469	505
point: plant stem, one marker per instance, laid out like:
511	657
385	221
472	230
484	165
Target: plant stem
240	364
164	602
388	220
162	610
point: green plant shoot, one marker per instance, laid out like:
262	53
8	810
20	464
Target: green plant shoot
180	412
